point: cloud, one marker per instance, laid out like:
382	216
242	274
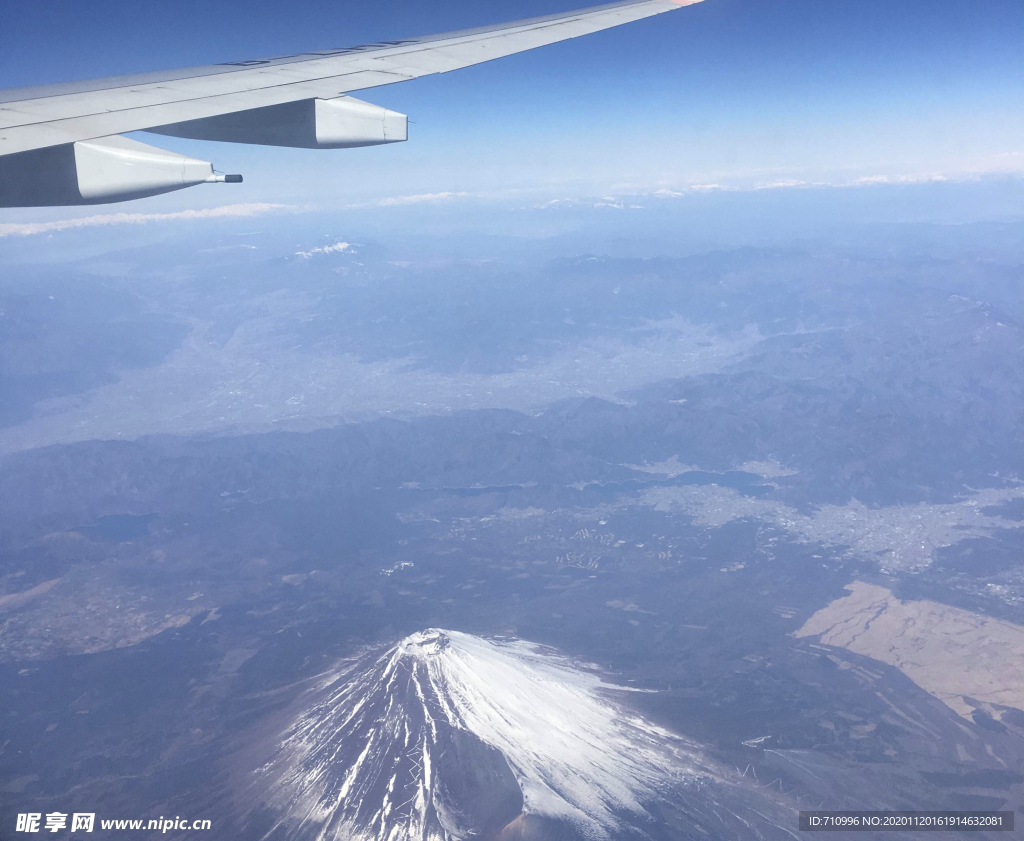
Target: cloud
422	198
416	199
733	188
795	184
632	196
337	248
24	229
900	179
785	185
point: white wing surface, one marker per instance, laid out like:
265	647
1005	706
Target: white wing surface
197	102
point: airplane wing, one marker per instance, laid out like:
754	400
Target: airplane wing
298	100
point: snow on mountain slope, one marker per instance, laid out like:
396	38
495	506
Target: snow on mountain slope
449	736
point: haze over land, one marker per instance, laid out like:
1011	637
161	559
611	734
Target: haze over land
242	458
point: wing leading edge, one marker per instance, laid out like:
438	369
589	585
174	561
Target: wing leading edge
249	101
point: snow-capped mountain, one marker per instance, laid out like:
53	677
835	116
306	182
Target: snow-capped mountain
447	736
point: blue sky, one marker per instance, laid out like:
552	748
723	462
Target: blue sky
739	93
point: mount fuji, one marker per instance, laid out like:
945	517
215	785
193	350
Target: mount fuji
448	736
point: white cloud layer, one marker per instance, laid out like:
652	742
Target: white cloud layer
24	229
337	248
421	198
